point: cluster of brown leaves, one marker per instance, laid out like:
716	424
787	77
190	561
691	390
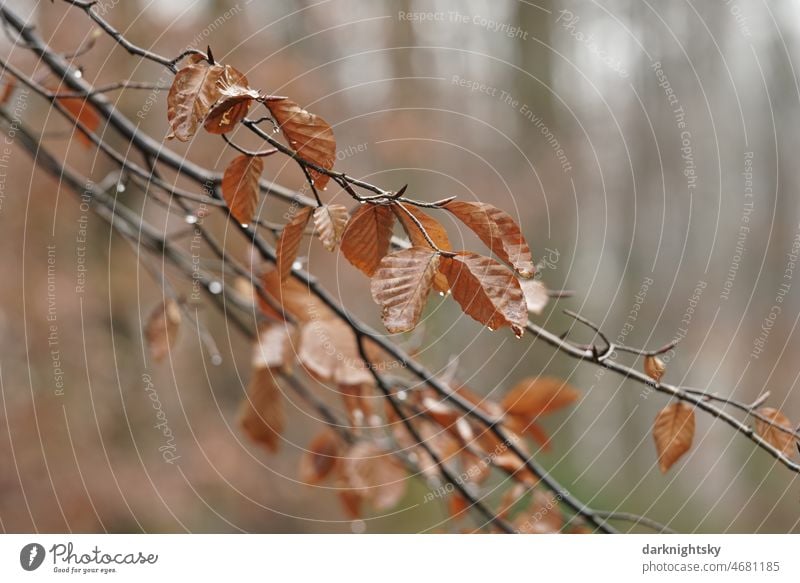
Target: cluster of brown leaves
495	293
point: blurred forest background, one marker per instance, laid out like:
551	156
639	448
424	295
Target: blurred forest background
647	150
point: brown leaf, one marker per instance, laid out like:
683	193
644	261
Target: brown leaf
654	367
82	111
457	505
357	403
321	459
261	414
329	350
536	297
498	231
673	431
486	291
374	475
274	347
367	236
161	330
780	440
235	98
309	135
535	396
401	285
194	90
330	221
433	228
240	187
289	242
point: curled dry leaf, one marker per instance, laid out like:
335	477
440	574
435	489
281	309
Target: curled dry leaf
261	414
321	459
374	476
235	98
85	114
161	330
433	228
367	236
532	398
290	239
536	297
194	90
330	221
240	187
654	367
498	231
780	440
401	286
673	431
309	135
329	351
486	291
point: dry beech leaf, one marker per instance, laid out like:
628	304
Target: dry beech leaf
329	351
498	231
533	397
292	297
330	221
435	230
261	414
309	135
374	475
673	431
273	348
536	297
486	291
367	236
289	242
161	329
780	440
321	459
401	286
193	92
235	98
240	187
83	112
